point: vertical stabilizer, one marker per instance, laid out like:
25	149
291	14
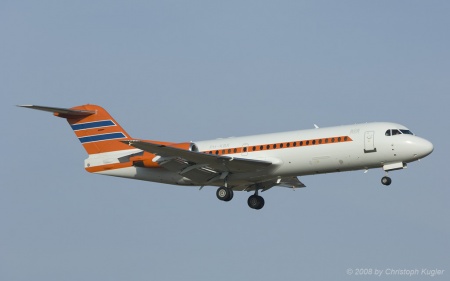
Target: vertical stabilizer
94	127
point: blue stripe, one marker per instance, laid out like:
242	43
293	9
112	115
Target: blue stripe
92	125
102	137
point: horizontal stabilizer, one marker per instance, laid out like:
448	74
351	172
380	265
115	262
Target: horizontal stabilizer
61	112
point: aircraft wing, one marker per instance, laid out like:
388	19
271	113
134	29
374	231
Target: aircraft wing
198	166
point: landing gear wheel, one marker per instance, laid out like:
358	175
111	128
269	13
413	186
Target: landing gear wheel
386	180
224	193
255	202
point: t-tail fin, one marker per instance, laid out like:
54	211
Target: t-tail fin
97	131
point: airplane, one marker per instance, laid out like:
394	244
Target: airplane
251	163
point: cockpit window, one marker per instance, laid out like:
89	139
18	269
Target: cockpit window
407	132
394	132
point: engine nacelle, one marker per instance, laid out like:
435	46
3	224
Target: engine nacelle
185	145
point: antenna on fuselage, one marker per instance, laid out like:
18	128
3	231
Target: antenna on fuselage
317	127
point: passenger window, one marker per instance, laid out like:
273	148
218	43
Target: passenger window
281	145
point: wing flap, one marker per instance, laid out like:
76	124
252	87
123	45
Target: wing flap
174	164
290	182
200	175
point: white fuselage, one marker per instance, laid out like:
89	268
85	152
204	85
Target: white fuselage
305	152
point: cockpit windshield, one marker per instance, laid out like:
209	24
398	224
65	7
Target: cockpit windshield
406	132
394	132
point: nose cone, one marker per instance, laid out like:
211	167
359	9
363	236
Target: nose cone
424	147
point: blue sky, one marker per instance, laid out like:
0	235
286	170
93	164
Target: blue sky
195	70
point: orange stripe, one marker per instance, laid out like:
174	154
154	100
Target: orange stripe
146	163
108	167
281	145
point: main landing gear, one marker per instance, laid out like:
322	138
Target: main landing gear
254	201
224	193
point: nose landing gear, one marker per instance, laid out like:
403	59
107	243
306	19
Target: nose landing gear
386	180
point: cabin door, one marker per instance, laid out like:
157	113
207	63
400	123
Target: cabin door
369	142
